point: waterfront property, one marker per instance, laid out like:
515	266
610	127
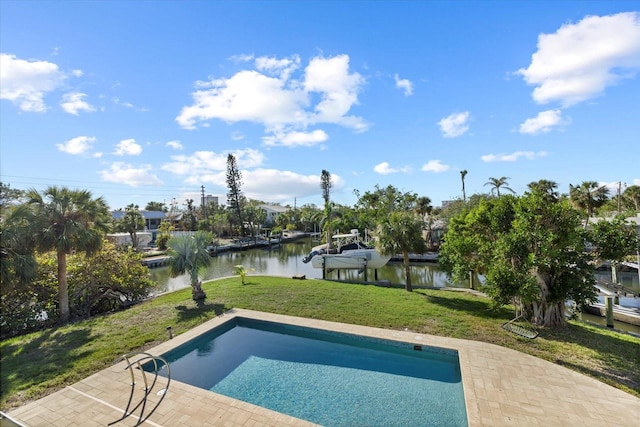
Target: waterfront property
501	387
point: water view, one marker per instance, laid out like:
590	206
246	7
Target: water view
286	260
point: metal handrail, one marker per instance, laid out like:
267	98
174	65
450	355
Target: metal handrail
147	389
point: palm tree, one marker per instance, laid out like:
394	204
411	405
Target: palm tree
463	173
325	185
588	196
68	220
17	244
131	222
424	208
189	255
497	183
545	187
631	197
401	233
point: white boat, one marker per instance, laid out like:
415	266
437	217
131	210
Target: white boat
347	252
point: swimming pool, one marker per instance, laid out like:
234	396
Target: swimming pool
330	378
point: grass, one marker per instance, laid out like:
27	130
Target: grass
40	363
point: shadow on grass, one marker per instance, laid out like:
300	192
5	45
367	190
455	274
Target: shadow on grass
618	351
201	310
477	306
48	355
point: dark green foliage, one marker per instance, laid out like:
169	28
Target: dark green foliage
528	249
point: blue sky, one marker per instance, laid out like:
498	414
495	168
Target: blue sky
143	101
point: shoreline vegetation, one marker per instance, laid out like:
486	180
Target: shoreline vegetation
42	362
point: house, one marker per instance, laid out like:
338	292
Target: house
152	220
272	212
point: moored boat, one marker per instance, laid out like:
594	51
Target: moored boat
347	252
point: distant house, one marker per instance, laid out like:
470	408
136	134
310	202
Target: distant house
272	212
152	220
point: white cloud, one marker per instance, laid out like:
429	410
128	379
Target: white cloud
283	68
26	82
529	155
77	145
128	147
283	105
237	135
579	61
124	173
435	166
404	84
544	122
121	103
176	145
207	162
74	102
454	125
293	139
636	181
385	169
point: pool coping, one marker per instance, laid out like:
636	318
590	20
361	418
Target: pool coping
501	387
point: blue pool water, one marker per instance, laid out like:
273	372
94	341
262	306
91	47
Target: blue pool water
329	378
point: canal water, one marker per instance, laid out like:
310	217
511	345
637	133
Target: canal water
286	260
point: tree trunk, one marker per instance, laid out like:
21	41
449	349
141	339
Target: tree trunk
63	291
197	294
407	271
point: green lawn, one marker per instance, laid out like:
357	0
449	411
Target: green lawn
40	363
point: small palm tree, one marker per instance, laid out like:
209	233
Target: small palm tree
240	271
189	255
401	233
497	183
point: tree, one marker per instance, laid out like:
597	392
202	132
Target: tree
547	188
17	245
110	279
131	222
401	233
613	241
157	207
255	216
235	198
325	185
497	183
588	196
463	174
528	249
189	255
189	220
68	220
631	198
424	208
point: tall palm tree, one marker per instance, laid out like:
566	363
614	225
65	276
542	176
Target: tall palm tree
497	183
401	233
325	185
68	220
424	208
588	196
463	173
189	255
